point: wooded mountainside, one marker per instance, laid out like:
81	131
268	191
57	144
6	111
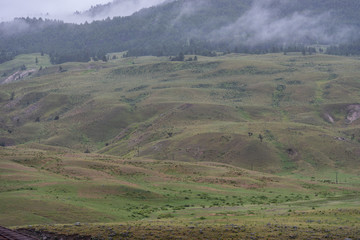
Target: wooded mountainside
192	27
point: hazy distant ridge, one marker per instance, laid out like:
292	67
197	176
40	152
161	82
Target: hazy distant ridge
191	27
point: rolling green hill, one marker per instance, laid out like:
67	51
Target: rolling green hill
112	144
57	190
271	113
107	145
148	147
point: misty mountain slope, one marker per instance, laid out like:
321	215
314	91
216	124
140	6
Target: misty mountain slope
157	25
118	8
191	26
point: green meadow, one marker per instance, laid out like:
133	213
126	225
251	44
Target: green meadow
242	146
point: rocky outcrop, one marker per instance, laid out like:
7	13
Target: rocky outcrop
353	113
18	75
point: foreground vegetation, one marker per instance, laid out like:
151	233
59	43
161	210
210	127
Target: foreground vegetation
245	145
152	199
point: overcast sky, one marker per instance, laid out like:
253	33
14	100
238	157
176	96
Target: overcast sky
36	8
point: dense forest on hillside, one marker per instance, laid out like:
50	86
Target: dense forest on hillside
191	27
6	56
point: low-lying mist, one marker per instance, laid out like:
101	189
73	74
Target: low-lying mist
175	26
72	11
116	8
266	22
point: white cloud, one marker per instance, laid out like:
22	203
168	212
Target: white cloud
63	9
263	23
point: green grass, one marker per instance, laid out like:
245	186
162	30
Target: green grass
180	142
29	60
52	187
114	107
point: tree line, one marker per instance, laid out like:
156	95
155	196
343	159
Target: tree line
139	36
6	56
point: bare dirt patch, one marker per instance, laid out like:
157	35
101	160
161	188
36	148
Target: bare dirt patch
353	113
18	75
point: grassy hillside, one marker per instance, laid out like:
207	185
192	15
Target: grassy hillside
58	186
256	142
214	109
